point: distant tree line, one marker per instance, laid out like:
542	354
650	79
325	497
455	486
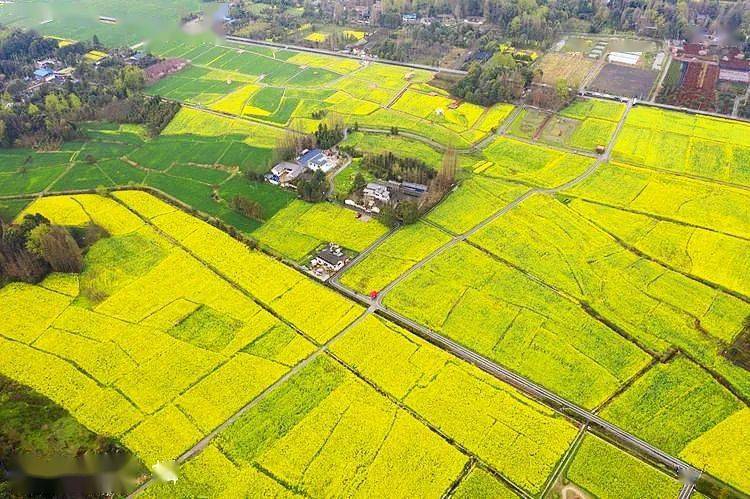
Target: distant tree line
33	115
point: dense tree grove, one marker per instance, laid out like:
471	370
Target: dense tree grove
313	189
247	207
34	247
388	166
500	79
328	136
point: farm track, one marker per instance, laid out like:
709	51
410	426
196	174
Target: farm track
564	461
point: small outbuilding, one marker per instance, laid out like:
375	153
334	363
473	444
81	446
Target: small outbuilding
43	73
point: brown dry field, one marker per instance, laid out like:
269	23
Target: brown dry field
570	66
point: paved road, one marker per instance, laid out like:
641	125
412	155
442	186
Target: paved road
686	491
535	391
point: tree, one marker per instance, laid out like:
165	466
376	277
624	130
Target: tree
562	90
56	246
16	261
247	207
314	189
130	80
359	183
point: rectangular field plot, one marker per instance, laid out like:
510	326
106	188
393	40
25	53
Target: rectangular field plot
479	483
515	436
697	145
717	258
672	404
645	302
301	227
198	85
604	471
527	123
277	286
582	109
400	146
722	450
533	164
474	299
472	201
683	200
681	408
396	255
100	345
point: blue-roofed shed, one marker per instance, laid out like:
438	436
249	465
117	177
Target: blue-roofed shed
42	73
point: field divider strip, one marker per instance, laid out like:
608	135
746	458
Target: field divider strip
629	247
448	439
564	461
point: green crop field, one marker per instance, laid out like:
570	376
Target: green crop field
397	254
517	437
683	200
257	83
472	201
534	164
585	124
106	337
472	298
527	123
180	163
673	404
707	254
153	297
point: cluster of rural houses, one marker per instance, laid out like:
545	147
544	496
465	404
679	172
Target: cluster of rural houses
379	193
286	173
714	62
49	70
